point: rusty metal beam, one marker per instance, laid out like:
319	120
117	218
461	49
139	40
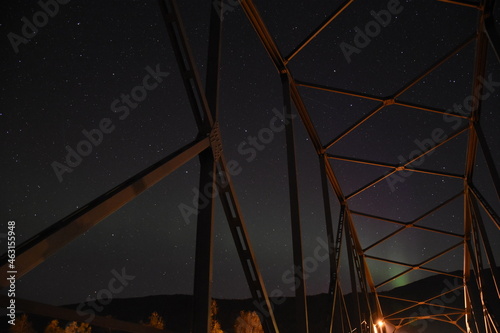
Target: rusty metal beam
427	301
487	245
393	166
486	206
203	266
301	314
333	287
206	104
318	30
411	224
201	318
477	90
391	101
341	91
376	98
412	267
244	247
493	36
37	249
481	53
187	64
263	33
352	276
432	210
463	3
280	64
405	165
490	163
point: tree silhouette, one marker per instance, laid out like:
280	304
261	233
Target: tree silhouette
53	327
215	327
248	322
22	325
155	320
73	327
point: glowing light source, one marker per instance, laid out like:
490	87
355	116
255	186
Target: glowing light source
378	327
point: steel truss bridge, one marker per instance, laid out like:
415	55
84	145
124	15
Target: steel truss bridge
476	316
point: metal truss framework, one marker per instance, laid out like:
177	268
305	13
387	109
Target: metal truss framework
476	316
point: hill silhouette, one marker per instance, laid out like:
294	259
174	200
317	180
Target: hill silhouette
176	310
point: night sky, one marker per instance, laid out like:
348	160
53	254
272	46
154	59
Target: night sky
66	78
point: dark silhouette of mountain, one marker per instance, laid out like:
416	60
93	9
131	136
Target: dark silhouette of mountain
176	310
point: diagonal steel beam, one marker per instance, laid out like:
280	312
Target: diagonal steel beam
486	206
276	57
341	91
396	168
479	233
427	301
244	247
187	64
411	224
412	267
352	275
209	110
318	30
203	265
490	163
372	304
405	166
273	51
37	249
487	245
392	166
377	98
493	36
432	210
477	261
333	287
408	86
205	104
464	3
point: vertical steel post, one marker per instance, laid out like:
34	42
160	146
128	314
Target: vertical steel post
477	90
214	58
204	245
352	274
300	286
205	228
204	119
330	309
487	245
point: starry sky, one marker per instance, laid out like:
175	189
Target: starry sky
65	79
